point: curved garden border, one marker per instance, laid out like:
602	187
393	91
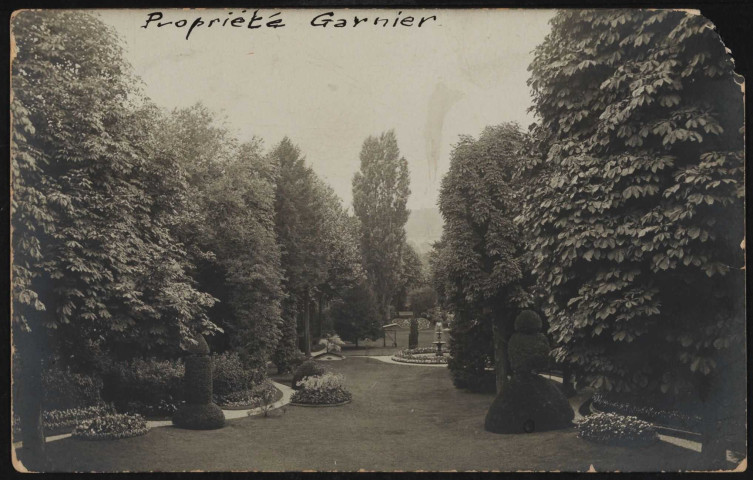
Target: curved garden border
294	404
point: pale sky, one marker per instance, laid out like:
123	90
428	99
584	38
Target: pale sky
329	88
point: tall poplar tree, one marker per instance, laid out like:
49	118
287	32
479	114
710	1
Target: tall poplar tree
380	193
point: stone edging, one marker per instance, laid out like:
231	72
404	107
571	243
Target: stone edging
316	405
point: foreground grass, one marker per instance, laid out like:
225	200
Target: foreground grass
401	418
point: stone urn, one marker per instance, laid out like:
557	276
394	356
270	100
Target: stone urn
199	412
528	402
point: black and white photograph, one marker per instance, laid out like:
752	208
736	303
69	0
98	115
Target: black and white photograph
376	239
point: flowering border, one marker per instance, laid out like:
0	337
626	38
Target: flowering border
411	355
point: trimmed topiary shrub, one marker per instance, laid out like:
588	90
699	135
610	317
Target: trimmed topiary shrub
111	427
528	353
413	334
309	368
198	413
528	403
614	429
326	389
528	321
207	416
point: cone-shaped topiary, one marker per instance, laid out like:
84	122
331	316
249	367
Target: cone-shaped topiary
528	402
198	413
528	321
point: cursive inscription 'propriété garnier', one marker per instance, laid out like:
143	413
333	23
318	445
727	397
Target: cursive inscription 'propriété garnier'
255	20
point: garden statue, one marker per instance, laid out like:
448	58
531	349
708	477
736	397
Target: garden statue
199	412
528	401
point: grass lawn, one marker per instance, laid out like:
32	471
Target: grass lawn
401	418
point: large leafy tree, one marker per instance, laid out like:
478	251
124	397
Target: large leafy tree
636	210
320	255
478	201
380	193
228	228
94	262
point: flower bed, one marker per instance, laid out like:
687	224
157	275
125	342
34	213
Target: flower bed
614	429
327	389
262	394
63	421
112	427
672	418
425	355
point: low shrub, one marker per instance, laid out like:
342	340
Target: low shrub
309	368
148	386
672	418
111	427
614	429
475	381
230	375
65	390
326	389
425	355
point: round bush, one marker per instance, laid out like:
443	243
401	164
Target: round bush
309	368
206	416
614	429
528	352
528	321
111	427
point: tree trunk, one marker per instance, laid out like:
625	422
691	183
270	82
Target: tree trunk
29	403
501	363
307	322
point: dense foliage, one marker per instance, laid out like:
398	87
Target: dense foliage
380	193
636	208
355	315
636	212
228	227
319	244
482	275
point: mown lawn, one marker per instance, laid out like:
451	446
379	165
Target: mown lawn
401	418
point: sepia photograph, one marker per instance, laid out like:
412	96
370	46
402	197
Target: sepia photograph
381	240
